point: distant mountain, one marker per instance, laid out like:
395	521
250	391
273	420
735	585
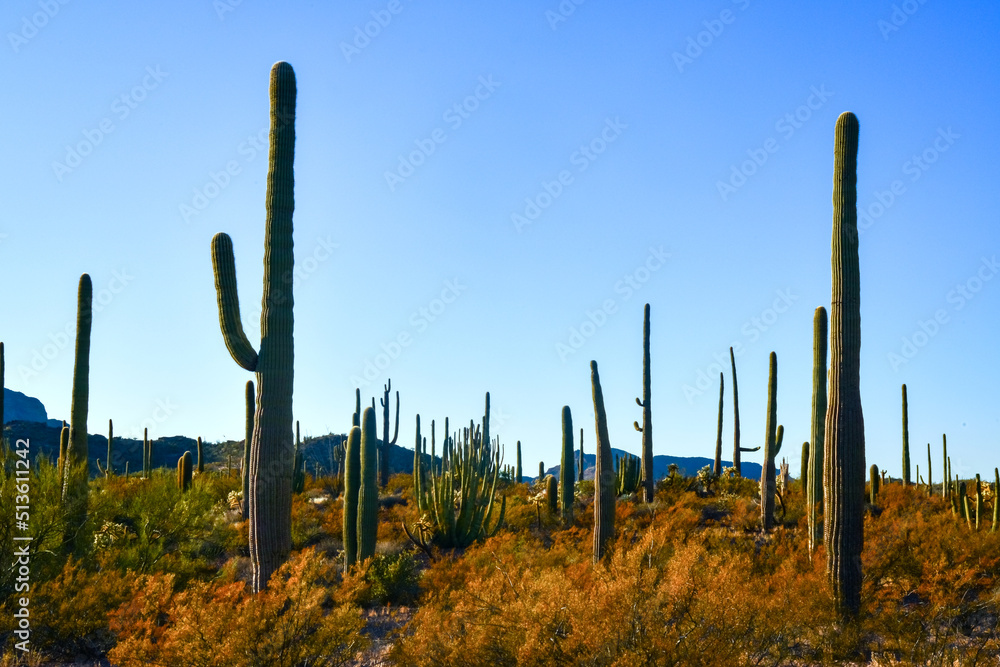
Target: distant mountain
19	407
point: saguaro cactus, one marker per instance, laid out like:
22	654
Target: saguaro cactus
580	466
946	469
245	469
604	475
367	526
77	466
906	441
930	482
184	472
201	458
517	471
111	436
647	414
551	495
718	437
271	448
804	466
844	469
770	447
817	436
352	483
383	460
873	479
737	450
566	477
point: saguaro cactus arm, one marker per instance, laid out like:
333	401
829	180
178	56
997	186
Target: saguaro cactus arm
224	266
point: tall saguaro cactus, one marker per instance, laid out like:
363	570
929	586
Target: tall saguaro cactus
844	469
271	447
352	484
737	450
77	468
770	447
814	491
566	477
111	436
906	441
517	471
647	414
383	459
604	474
718	438
367	526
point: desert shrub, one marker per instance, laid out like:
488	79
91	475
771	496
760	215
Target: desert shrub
221	624
393	578
307	521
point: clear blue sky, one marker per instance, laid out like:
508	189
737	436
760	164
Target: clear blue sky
619	123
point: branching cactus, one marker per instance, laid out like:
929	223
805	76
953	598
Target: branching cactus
383	467
817	436
770	447
844	466
604	475
647	414
566	477
271	448
77	466
367	526
352	484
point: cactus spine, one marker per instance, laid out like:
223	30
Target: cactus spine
77	470
843	475
873	479
817	436
184	472
718	437
271	448
517	472
245	469
906	441
771	447
647	414
367	525
604	475
352	482
383	461
566	477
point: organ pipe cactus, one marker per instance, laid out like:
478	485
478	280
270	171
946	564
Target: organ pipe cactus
458	502
770	447
737	450
184	468
844	455
77	467
628	475
566	477
717	470
383	467
352	484
604	475
367	526
271	448
817	436
647	414
906	441
245	469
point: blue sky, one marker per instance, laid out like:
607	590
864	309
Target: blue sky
481	183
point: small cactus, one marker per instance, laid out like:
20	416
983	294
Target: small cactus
184	468
201	459
552	495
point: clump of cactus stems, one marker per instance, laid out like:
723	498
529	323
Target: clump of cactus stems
717	469
737	450
352	484
184	468
271	448
817	435
245	468
906	441
873	480
843	470
367	524
76	469
647	414
517	472
566	477
628	475
604	475
383	461
771	447
457	503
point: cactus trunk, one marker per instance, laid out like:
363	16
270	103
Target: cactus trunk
352	482
906	441
383	459
718	436
111	436
604	476
873	483
367	525
814	491
647	414
736	418
770	447
566	477
844	476
245	469
184	469
517	471
77	468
